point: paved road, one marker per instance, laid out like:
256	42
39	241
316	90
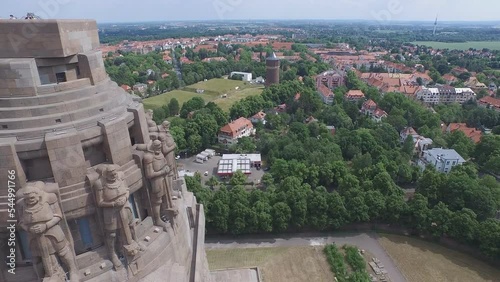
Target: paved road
365	241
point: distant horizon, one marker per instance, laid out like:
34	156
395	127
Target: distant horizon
304	20
382	11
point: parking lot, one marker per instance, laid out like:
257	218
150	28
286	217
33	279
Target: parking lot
210	166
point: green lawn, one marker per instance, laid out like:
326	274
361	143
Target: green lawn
493	45
234	96
180	95
214	88
217	85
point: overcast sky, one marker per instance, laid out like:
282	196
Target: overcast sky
160	10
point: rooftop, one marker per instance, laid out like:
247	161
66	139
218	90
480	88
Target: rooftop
444	154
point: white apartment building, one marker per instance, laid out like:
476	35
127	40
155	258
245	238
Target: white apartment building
445	94
442	159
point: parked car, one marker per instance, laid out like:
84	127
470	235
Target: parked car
178	157
206	173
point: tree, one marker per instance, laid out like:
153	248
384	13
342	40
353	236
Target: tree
194	143
376	204
356	206
440	217
281	216
489	237
463	225
212	182
238	178
218	211
419	213
239	207
317	207
245	145
396	207
337	212
264	218
173	107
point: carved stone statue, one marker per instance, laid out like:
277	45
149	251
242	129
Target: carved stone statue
112	195
149	119
168	147
156	170
39	215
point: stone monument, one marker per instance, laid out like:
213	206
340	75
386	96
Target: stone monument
64	124
39	215
112	194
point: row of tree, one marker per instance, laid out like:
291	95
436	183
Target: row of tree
354	176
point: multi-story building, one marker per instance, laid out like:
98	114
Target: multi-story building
354	95
325	94
445	95
231	132
490	103
420	142
331	79
371	109
443	160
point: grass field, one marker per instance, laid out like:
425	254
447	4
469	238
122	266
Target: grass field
180	95
421	261
493	45
233	97
218	85
214	88
283	264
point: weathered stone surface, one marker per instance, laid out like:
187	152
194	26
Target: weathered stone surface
61	127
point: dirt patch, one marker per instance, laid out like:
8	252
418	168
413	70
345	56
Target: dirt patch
283	264
422	261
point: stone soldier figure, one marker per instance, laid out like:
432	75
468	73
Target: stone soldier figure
168	147
40	215
156	170
112	195
151	123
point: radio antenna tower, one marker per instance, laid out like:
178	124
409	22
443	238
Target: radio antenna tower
435	25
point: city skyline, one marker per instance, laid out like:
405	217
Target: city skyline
383	11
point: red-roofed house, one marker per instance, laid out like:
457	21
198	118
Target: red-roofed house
185	60
449	78
282	45
490	102
126	88
259	117
326	94
371	109
472	133
231	132
354	95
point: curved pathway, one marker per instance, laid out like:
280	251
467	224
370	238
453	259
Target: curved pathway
365	241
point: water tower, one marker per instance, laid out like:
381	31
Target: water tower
272	70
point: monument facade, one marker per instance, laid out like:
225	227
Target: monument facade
97	194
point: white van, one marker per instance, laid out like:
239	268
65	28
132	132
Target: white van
200	158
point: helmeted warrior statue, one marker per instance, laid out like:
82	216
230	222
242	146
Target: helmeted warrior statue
40	215
156	170
168	147
112	195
